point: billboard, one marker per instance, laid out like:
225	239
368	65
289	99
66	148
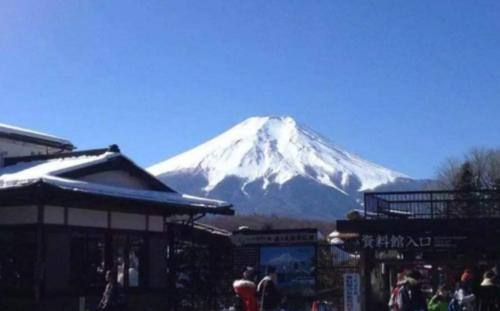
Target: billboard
295	267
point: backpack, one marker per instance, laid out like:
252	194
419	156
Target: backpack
238	303
270	298
395	301
454	305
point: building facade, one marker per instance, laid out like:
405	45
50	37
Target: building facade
67	217
438	233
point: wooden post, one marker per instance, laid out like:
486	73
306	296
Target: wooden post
40	250
172	270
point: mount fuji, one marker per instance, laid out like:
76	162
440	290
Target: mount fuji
276	166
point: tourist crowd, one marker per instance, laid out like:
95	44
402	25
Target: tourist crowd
467	295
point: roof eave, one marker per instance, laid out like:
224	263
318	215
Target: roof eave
49	195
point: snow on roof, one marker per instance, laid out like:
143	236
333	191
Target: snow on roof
139	194
25	173
9	129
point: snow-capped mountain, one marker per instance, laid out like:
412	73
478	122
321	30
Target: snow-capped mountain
273	165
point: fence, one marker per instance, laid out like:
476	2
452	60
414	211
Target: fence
432	204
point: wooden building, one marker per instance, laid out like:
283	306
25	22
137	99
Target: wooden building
15	142
439	233
66	217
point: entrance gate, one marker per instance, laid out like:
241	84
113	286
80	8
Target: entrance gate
339	283
439	233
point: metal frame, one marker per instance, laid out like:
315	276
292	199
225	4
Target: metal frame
432	204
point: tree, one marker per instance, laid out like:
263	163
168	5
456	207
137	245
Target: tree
496	196
483	165
466	183
478	169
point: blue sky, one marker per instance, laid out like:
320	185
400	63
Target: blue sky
405	84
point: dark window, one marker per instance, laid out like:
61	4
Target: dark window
127	258
135	252
91	257
88	260
17	257
119	248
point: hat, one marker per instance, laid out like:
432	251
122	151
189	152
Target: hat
400	279
414	274
489	275
249	272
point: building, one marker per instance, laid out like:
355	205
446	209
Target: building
68	216
15	142
438	233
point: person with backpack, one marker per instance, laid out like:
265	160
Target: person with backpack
245	290
394	301
267	291
440	301
464	298
411	296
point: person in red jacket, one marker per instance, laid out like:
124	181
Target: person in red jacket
245	289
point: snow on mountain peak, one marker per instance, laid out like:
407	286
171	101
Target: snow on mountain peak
276	149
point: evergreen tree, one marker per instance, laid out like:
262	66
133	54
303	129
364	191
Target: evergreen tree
466	199
496	196
497	184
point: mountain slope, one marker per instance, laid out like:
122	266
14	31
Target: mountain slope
273	165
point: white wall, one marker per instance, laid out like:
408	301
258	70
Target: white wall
87	218
14	148
128	221
116	178
54	215
156	223
18	215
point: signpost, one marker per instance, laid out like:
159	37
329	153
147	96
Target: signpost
352	295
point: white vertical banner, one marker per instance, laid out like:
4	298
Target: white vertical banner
81	304
352	299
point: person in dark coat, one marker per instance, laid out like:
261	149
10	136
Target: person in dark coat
464	294
267	291
412	298
113	298
488	295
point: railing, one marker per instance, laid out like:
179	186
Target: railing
433	204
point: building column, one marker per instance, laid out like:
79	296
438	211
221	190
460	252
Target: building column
172	270
39	269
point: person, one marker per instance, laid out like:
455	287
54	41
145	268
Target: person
488	296
440	301
394	301
113	298
411	296
245	291
464	297
267	291
496	270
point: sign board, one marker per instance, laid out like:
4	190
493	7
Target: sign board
295	267
448	241
275	238
352	295
408	242
394	241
